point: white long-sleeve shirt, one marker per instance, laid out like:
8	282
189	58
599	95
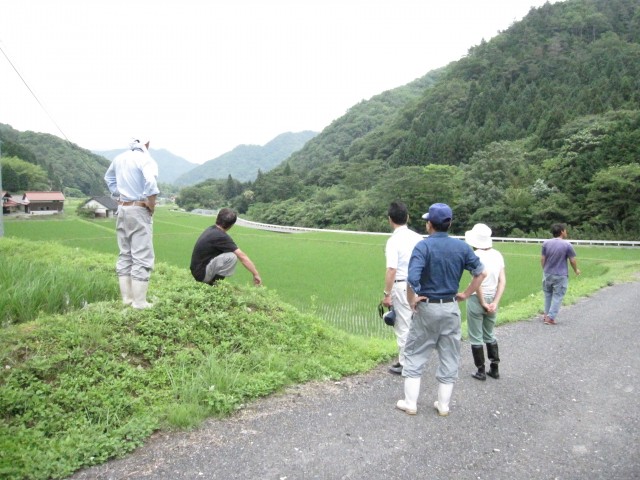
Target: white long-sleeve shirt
133	176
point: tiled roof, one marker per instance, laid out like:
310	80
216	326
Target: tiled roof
43	196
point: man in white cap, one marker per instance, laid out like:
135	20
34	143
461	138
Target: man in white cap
132	179
482	306
435	269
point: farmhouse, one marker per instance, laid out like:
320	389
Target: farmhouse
9	205
43	203
102	206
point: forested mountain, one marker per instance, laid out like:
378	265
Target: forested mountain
67	166
170	166
40	161
245	161
539	125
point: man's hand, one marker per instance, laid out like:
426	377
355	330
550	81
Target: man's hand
416	300
150	203
461	296
491	307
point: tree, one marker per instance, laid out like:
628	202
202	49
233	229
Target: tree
614	197
490	173
20	176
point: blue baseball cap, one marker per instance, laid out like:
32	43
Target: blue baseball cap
438	213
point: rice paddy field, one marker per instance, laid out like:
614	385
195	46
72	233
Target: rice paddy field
337	276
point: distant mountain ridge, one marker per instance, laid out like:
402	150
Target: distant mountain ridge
170	166
244	161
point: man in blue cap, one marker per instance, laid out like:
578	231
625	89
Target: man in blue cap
435	269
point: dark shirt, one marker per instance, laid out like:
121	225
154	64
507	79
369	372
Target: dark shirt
437	264
209	245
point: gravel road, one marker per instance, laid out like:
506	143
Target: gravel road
566	407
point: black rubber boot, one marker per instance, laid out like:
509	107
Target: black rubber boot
494	358
478	359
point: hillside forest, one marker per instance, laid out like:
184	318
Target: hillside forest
539	125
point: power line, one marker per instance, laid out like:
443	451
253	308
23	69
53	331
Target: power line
32	93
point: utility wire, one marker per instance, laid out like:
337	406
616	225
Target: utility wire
32	93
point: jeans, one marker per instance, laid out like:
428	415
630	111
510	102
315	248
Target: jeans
554	287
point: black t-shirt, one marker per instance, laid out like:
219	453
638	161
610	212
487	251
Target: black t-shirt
211	243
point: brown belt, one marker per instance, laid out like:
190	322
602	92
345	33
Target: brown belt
134	204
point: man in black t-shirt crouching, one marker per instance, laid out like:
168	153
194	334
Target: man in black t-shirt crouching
215	254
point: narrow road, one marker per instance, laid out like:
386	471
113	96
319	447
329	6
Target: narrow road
567	406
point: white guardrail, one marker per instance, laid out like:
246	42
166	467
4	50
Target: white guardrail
283	229
279	228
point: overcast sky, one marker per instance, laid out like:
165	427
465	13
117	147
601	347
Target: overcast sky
200	77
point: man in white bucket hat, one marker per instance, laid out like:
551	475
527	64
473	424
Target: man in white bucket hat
482	305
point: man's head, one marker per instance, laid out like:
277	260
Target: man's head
226	218
440	216
139	142
557	229
398	213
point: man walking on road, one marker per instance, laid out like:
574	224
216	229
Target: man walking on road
555	278
397	254
435	269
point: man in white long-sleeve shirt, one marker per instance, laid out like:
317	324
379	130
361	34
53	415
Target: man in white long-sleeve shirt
397	254
132	178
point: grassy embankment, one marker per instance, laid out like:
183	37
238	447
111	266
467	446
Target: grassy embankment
83	386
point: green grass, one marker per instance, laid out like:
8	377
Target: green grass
94	383
30	289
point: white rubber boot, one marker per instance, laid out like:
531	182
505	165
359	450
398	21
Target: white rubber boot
140	294
411	392
125	289
444	396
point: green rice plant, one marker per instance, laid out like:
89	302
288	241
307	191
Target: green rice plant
35	286
338	276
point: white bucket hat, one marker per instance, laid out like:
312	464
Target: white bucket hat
479	236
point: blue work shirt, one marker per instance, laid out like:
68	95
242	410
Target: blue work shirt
437	264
